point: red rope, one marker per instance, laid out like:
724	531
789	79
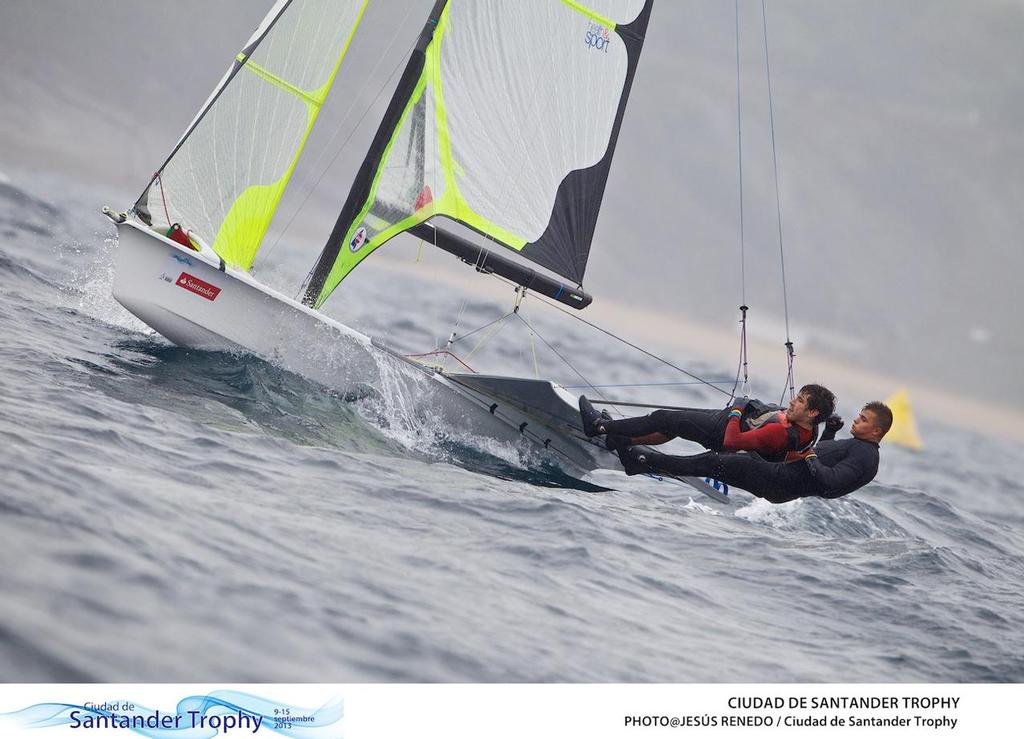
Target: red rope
443	352
160	180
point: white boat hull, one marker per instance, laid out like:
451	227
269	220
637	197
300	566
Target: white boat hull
187	297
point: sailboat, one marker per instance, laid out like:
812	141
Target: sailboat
504	120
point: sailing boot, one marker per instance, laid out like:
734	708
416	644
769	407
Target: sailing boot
634	462
592	420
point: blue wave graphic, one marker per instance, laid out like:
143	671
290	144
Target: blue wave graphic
195	717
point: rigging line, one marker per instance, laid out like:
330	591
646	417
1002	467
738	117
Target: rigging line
643	384
440	351
163	198
739	161
348	138
437	308
427	105
789	373
458	320
744	357
566	361
645	405
477	330
533	348
778	199
620	339
486	337
305	282
736	381
743	363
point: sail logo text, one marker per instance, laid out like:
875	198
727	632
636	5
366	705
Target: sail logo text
197	286
598	37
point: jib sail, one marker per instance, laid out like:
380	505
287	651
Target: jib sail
225	178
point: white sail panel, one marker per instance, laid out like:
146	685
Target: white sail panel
266	23
305	43
531	90
227	177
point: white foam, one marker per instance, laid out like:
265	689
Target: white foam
399	411
770	514
94	280
694	505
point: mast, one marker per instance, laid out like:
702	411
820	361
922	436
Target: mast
361	185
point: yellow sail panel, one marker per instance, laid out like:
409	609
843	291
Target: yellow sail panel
245	225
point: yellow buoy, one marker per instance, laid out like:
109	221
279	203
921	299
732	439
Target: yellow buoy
904	430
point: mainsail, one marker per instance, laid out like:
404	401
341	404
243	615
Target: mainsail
505	120
225	178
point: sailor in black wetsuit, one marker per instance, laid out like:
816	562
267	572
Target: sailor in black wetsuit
831	470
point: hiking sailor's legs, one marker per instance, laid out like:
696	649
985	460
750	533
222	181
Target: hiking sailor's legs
702	425
773	481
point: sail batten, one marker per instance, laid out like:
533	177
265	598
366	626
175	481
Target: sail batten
225	179
310	97
609	12
508	127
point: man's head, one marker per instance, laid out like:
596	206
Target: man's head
812	404
873	422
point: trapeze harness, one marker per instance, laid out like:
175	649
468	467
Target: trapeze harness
794	450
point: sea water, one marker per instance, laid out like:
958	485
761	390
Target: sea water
176	515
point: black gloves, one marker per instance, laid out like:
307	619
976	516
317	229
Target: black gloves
739	404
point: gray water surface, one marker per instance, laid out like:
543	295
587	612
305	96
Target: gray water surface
173	515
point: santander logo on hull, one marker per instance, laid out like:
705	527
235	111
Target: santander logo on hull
200	287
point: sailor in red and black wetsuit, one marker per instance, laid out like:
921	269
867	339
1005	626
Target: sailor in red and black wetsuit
746	425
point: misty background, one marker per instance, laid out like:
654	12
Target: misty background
899	139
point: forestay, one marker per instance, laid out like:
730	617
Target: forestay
505	120
225	178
